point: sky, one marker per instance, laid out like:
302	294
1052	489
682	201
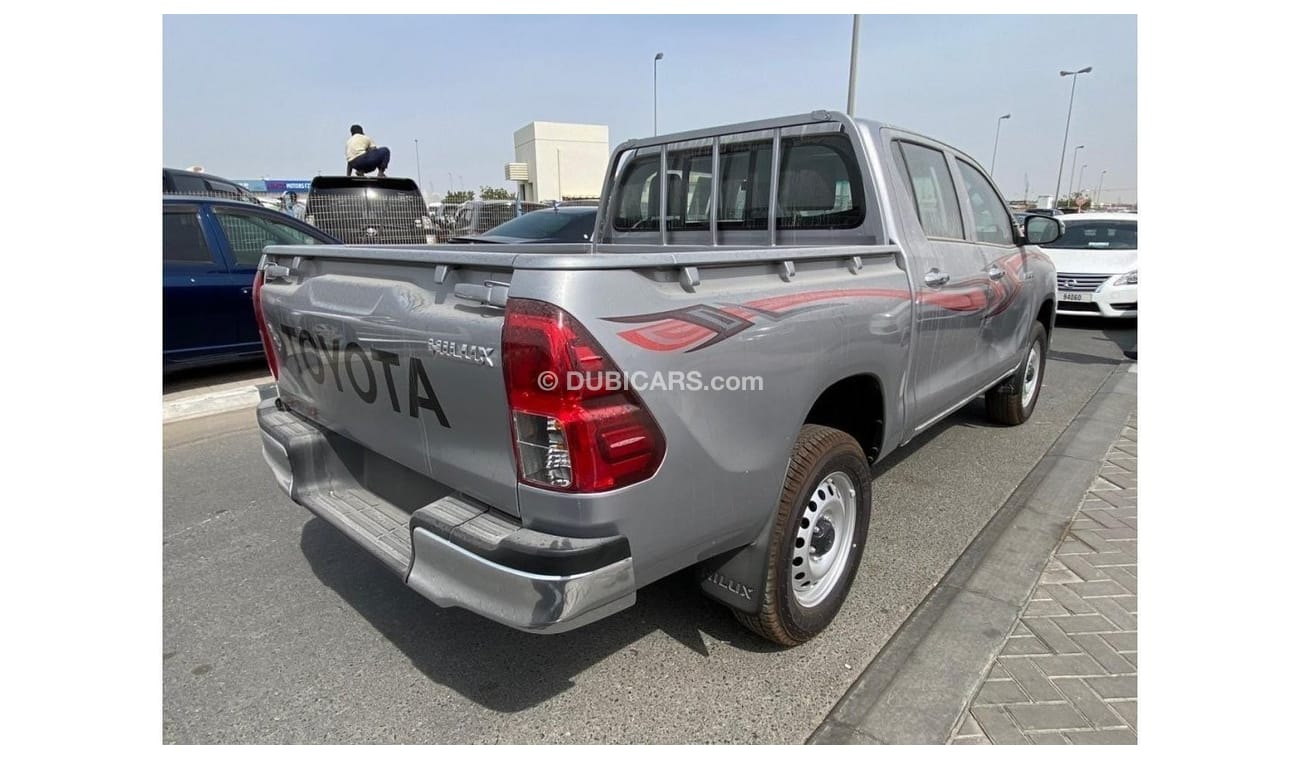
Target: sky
273	96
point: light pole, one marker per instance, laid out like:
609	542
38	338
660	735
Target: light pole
1097	198
1079	187
853	62
451	186
1066	139
996	135
658	57
419	179
1070	185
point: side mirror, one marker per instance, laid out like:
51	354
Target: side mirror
1041	230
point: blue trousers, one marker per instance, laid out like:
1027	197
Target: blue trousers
375	158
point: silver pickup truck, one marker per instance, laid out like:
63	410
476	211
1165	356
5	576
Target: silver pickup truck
766	309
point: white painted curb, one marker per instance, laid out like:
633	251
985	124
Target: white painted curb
214	400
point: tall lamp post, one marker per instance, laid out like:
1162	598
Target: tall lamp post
853	63
1070	185
658	57
1066	139
1097	197
419	179
1082	170
997	134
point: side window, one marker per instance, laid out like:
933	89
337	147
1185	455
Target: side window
183	239
250	233
821	187
991	222
933	191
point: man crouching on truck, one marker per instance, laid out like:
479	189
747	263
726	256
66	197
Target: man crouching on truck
364	156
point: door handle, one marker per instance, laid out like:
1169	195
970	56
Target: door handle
996	272
935	279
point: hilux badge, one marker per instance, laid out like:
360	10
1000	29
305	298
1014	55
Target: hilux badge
462	352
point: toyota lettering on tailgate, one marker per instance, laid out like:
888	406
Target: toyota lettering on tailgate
327	361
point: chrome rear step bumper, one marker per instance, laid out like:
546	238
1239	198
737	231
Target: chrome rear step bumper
451	549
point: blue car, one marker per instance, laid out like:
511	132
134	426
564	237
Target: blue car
211	247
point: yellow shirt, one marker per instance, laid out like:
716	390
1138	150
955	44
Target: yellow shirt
358	145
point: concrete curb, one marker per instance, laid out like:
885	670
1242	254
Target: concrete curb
917	688
213	400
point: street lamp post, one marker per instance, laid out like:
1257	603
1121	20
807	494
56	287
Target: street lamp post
1070	185
658	57
1097	197
1066	139
853	63
419	179
1079	187
997	134
451	185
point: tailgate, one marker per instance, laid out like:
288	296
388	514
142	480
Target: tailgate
384	354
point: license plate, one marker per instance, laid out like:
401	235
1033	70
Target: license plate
1084	297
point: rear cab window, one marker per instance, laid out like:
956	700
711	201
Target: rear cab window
389	196
821	193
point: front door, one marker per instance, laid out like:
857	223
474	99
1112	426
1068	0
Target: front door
1005	329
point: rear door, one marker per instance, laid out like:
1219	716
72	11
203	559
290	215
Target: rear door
245	232
196	285
948	274
383	353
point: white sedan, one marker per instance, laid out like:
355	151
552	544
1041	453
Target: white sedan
1096	265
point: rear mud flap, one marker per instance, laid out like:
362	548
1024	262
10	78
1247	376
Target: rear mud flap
738	578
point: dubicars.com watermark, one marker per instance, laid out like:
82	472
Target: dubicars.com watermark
691	381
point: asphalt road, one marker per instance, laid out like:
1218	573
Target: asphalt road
278	629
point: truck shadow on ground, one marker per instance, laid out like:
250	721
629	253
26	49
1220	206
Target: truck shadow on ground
498	667
1122	333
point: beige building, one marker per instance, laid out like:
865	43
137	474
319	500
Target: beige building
564	160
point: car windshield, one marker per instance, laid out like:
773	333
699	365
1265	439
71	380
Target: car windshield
536	225
1106	235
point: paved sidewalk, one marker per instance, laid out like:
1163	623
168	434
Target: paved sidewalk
1068	672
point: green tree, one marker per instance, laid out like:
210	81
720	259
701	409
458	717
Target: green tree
458	196
1075	201
495	194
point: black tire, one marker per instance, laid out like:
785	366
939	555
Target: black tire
1005	401
818	452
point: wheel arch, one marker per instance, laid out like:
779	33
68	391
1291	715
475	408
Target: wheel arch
856	405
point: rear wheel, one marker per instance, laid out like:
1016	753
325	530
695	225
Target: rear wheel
817	539
1012	401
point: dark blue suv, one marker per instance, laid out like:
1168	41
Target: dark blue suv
211	247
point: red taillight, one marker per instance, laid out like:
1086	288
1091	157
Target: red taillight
571	436
271	361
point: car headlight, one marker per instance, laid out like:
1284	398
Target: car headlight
1129	278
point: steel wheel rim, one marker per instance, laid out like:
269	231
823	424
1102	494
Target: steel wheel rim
820	558
1032	375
